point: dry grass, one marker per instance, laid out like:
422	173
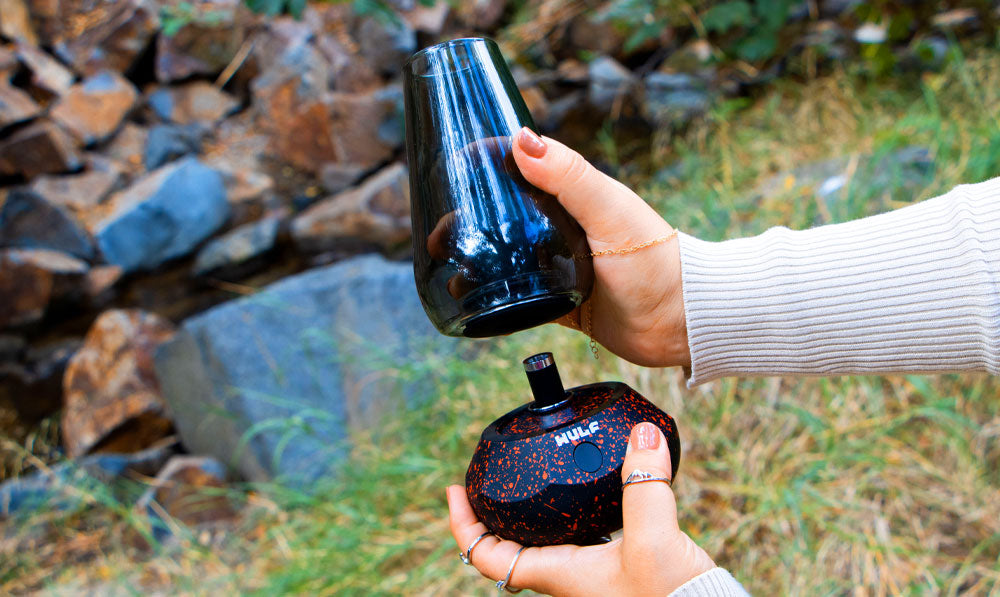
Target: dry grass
861	486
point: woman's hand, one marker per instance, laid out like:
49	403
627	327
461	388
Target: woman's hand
636	308
653	556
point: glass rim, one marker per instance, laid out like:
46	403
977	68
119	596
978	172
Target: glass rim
451	42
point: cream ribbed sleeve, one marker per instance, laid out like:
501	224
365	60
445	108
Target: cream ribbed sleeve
913	290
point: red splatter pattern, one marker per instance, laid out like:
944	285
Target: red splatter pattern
525	484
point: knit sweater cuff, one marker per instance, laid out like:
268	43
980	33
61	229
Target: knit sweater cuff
717	582
913	290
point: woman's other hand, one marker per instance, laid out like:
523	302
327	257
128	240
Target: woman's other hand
653	556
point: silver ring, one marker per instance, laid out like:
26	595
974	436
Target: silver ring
502	584
467	556
641	476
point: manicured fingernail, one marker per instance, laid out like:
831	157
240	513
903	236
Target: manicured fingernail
646	436
531	143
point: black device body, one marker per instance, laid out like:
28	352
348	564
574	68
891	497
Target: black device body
549	472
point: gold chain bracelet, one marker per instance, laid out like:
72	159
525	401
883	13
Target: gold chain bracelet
634	248
586	310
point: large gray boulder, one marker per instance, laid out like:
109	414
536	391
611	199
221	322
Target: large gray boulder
273	383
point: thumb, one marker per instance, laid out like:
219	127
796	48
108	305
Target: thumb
608	210
649	509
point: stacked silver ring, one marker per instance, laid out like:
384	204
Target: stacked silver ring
641	476
502	585
467	556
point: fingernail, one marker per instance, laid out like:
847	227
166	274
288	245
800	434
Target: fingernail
646	436
531	143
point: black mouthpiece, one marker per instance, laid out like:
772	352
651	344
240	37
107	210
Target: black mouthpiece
543	376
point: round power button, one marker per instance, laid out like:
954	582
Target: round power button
588	457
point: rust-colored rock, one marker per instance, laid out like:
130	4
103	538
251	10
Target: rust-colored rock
95	36
8	63
16	105
187	490
30	279
94	109
127	147
113	401
349	71
40	148
205	44
353	118
198	101
100	283
376	214
80	192
47	73
15	21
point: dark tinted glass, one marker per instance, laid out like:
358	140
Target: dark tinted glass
492	253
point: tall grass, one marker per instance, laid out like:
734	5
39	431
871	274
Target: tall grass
865	485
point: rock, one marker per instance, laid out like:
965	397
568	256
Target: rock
94	109
249	193
40	148
353	117
31	279
79	192
349	71
390	129
870	33
230	254
128	147
386	44
8	63
167	142
28	221
34	385
15	22
309	129
481	14
113	401
163	216
196	102
106	35
179	491
338	177
428	19
673	98
609	80
99	284
957	18
46	72
375	214
47	491
16	105
204	44
572	71
334	338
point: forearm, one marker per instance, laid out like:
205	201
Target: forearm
913	290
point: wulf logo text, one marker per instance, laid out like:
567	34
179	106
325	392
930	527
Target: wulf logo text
576	433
